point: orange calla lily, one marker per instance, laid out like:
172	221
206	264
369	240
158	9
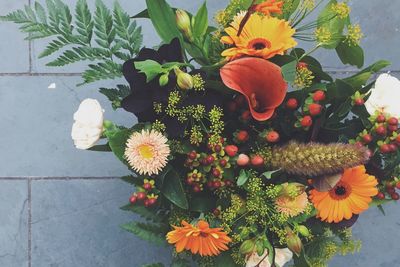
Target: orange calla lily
260	81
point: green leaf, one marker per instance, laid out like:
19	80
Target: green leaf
269	174
101	148
293	5
163	18
328	19
289	71
201	22
180	262
360	79
225	260
117	141
116	95
103	25
243	177
149	232
84	21
150	68
301	260
172	189
350	54
202	204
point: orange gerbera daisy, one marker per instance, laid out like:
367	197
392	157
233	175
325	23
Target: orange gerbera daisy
201	240
351	195
268	7
261	36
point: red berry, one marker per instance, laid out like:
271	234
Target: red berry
381	130
217	184
152	201
189	180
228	183
257	161
133	199
381	118
192	155
141	196
398	185
217	148
301	65
246	115
231	150
216	173
147	186
380	195
367	138
196	188
147	203
393	121
315	109
392	128
216	212
242	136
292	103
223	162
385	149
210	184
272	137
393	147
359	102
243	160
210	159
306	121
319	96
395	196
390	190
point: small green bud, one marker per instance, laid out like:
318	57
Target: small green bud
303	230
184	80
294	242
164	79
183	23
247	247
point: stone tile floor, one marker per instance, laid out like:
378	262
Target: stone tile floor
59	206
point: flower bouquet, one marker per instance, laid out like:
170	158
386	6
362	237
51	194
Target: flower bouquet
246	152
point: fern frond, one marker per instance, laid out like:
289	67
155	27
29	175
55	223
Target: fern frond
144	213
102	71
103	25
115	96
149	232
79	54
84	22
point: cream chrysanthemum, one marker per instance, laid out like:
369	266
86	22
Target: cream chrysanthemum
292	205
147	152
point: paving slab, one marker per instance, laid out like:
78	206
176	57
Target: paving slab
36	128
77	223
13	223
14	51
379	236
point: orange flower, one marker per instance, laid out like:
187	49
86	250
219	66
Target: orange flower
260	81
268	7
261	36
201	240
351	195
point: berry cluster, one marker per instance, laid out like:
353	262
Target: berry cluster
312	108
207	169
147	194
383	136
390	190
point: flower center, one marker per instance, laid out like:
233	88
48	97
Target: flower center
259	44
146	151
340	191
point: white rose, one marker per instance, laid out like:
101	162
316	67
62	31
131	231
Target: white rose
385	96
88	126
282	256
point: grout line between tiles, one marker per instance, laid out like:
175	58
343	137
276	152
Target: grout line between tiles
29	223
